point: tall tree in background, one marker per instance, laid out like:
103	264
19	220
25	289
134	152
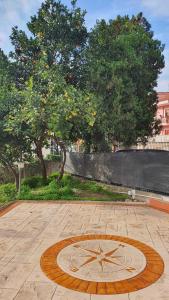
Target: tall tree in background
124	61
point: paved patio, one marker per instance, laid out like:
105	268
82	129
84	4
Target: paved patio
99	244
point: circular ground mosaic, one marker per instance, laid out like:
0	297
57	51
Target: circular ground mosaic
102	264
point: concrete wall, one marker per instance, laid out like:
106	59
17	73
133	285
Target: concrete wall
35	169
29	170
145	170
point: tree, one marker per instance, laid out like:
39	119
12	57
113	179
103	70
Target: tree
117	63
123	62
59	34
50	108
12	148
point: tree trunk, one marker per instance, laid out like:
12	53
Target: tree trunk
63	150
11	168
42	162
15	174
114	147
62	167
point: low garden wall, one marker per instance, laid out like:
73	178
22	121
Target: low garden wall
29	170
35	169
146	170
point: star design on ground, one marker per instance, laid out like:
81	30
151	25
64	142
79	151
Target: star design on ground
102	258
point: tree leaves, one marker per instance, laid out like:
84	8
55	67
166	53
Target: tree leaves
124	61
96	86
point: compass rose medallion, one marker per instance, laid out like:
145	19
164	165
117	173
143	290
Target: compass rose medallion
102	264
102	258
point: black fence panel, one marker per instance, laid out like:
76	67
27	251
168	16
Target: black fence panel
145	170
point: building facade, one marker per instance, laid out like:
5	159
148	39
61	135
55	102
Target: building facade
161	141
163	112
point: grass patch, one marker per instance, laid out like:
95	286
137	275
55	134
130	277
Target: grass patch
69	188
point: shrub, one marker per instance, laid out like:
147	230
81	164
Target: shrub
7	192
53	185
57	189
69	180
25	192
66	180
53	176
34	181
66	191
25	189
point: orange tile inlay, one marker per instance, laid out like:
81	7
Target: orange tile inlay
160	205
6	209
94	257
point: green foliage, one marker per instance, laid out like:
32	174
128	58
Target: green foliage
13	147
58	30
68	180
93	187
33	182
54	191
71	84
53	186
53	176
124	61
61	189
50	107
25	193
67	189
7	192
54	157
50	76
25	189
